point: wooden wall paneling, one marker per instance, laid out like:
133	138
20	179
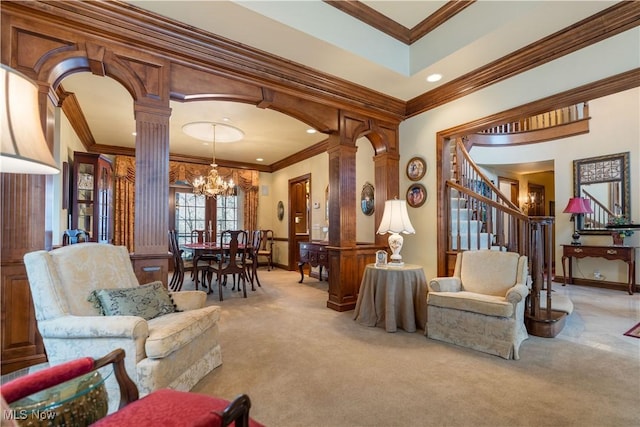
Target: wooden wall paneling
22	344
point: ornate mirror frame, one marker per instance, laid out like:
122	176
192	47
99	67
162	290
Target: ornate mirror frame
604	180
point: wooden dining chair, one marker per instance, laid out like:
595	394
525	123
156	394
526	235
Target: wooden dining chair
266	247
180	265
231	261
252	258
203	261
71	237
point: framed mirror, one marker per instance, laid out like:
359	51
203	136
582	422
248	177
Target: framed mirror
604	180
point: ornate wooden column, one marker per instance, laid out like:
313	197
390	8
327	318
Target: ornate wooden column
387	186
343	271
347	260
151	258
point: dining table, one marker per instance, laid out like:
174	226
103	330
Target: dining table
201	248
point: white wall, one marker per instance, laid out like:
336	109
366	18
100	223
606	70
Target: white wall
365	172
614	128
612	56
318	167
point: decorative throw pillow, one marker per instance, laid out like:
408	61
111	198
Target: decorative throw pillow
147	301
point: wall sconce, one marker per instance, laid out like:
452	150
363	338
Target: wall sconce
24	147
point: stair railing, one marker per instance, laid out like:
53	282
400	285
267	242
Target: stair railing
601	213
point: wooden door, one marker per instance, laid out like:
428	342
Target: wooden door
299	197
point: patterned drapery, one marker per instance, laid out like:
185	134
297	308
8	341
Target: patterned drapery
179	172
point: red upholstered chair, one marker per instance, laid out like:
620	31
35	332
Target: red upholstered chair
162	407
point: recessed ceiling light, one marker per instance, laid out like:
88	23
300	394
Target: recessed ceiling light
434	78
311	131
134	133
259	159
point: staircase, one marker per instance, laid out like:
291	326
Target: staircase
466	232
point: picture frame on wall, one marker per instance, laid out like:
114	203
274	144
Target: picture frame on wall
416	168
367	203
416	195
280	211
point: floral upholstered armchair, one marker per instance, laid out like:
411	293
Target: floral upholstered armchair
482	305
88	302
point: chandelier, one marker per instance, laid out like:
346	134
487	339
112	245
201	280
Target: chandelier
213	185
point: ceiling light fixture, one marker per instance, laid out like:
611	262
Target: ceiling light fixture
432	78
311	131
213	185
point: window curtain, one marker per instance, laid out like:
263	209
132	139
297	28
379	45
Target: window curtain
124	201
179	173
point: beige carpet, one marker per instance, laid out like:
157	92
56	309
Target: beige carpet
305	365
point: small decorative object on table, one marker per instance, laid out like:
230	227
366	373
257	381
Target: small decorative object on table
381	259
621	228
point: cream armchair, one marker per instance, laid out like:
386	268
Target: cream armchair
173	350
482	305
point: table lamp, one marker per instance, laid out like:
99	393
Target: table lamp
577	206
395	220
24	148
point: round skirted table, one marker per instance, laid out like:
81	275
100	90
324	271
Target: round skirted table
393	297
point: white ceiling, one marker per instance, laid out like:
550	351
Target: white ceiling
315	34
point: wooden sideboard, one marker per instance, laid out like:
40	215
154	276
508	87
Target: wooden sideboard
620	253
314	254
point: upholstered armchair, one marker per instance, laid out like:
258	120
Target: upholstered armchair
482	305
170	339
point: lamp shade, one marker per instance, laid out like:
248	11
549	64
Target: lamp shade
24	147
578	205
395	218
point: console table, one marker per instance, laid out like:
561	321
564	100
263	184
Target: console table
314	254
619	253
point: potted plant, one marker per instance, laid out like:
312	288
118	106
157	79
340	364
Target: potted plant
619	221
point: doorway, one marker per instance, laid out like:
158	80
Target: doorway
299	197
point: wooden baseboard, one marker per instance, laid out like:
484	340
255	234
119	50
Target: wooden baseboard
618	286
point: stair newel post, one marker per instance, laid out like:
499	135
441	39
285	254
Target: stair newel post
549	322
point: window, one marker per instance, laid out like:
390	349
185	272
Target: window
199	213
227	214
190	215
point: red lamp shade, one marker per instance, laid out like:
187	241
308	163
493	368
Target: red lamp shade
578	205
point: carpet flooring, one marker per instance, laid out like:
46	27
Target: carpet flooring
305	365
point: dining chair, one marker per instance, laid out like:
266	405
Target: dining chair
203	261
232	260
180	265
71	237
252	258
266	247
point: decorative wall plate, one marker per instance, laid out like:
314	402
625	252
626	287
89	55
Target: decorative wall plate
367	203
416	195
416	168
280	210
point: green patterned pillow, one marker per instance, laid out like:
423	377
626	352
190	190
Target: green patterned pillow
146	301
